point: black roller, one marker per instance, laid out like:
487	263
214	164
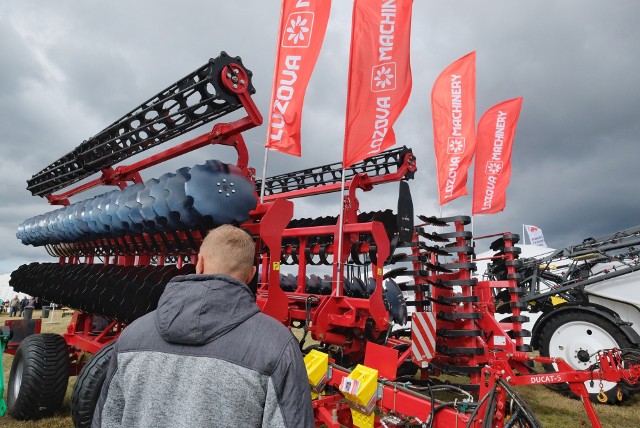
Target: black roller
325	285
313	284
288	282
355	288
122	293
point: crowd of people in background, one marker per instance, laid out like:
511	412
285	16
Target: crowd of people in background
15	307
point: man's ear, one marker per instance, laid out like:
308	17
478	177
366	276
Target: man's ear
200	265
251	275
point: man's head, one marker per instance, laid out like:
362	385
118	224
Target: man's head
227	250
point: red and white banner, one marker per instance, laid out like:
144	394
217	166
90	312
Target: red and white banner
453	107
302	28
423	337
379	76
492	171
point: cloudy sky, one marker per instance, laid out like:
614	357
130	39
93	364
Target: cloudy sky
68	69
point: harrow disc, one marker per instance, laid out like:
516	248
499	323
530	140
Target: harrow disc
193	198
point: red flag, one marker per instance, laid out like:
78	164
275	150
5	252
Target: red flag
379	76
453	107
492	173
302	28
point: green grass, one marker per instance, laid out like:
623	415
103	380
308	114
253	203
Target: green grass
556	411
552	409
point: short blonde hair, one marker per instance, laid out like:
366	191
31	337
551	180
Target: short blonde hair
230	249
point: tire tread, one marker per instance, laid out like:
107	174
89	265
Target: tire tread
45	377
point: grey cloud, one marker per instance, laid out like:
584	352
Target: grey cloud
576	150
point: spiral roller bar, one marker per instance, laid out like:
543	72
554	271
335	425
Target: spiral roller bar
192	101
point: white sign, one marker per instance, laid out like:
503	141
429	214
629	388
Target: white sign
535	235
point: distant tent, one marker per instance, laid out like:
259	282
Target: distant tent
6	291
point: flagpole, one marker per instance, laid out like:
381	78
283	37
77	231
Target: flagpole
473	253
524	239
338	258
264	174
273	95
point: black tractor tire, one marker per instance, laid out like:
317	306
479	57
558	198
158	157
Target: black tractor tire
584	320
88	386
39	377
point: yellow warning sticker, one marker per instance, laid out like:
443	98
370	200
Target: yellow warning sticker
379	271
276	265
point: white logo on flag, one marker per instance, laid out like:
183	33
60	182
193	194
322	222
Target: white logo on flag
493	167
298	32
383	77
455	145
535	235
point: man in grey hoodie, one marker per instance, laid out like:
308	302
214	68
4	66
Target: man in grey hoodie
207	357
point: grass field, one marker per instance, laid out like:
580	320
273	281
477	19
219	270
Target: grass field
553	410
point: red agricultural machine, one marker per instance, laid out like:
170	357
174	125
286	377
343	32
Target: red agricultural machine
454	365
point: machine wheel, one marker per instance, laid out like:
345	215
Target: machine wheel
576	337
88	386
39	377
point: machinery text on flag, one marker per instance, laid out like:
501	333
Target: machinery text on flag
492	171
379	76
453	107
302	28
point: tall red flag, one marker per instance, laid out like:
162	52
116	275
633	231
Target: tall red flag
492	173
453	107
379	76
302	28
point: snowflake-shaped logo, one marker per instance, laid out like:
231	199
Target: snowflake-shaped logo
455	145
298	31
383	77
493	168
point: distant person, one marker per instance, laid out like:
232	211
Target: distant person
209	346
14	306
23	304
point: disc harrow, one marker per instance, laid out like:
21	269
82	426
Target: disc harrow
191	198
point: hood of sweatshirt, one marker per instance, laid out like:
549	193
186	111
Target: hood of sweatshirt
197	309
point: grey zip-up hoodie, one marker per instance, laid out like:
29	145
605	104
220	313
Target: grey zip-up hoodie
207	357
